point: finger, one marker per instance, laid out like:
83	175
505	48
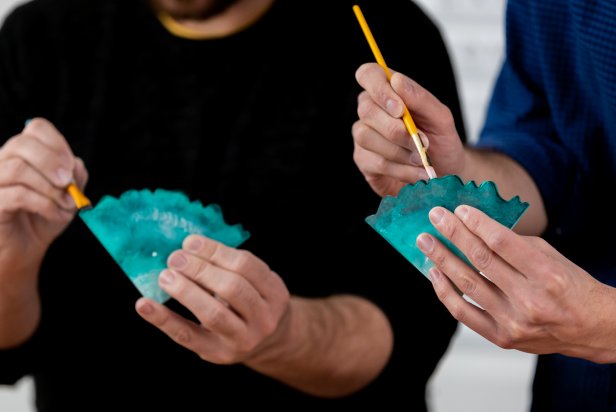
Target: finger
428	112
480	255
182	331
16	172
391	128
242	262
212	313
371	163
233	288
18	198
424	139
80	173
511	247
470	283
371	77
46	133
467	313
57	169
371	140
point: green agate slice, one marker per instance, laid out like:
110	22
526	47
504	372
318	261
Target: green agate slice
140	229
401	219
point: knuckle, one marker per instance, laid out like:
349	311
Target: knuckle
438	257
481	257
15	168
365	107
360	133
441	293
503	340
17	195
216	316
401	154
555	283
516	333
381	165
358	156
242	260
449	228
227	358
457	311
230	289
395	130
182	335
269	325
37	124
247	345
498	241
446	116
472	221
361	73
468	285
382	96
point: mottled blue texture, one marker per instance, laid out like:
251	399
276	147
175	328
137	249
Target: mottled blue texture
401	219
140	229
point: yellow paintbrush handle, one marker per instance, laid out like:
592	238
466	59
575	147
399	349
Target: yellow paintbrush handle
81	201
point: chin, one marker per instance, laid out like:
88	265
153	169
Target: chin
193	9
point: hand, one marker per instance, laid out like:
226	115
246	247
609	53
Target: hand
384	151
241	304
533	298
35	168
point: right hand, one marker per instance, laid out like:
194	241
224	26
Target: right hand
384	151
36	166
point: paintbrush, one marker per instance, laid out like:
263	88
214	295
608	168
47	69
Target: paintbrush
406	117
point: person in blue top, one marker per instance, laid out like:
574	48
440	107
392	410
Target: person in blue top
550	137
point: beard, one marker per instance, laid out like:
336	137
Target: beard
193	9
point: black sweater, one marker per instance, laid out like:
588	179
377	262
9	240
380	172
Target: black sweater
247	121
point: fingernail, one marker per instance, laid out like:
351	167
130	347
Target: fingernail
416	160
425	243
178	260
462	212
146	309
166	277
27	122
68	200
423	175
435	274
64	176
393	108
195	245
424	140
436	215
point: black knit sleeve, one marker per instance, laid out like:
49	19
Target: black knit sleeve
17	362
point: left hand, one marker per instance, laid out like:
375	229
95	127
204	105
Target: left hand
241	304
532	298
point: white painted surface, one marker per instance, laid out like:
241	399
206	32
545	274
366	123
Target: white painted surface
474	375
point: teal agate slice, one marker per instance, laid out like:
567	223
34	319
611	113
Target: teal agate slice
140	229
401	219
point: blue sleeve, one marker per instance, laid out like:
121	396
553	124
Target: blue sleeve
519	121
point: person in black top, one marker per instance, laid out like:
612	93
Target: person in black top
226	101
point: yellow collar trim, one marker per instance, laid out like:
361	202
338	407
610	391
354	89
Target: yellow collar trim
184	32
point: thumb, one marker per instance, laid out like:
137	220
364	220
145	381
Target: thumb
428	112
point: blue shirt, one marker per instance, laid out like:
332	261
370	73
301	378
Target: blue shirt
554	111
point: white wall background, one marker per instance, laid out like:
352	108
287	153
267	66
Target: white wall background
474	375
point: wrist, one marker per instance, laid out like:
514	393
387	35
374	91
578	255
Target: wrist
465	165
602	348
283	343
